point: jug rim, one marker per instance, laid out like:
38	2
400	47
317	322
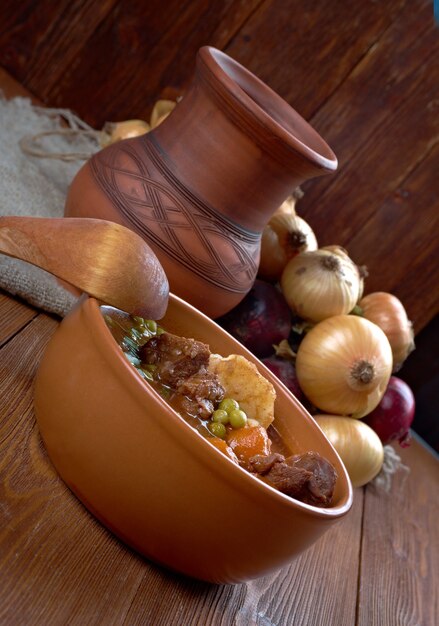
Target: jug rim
252	104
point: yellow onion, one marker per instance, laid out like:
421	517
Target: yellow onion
343	365
338	250
388	312
115	131
363	272
321	283
362	269
285	235
160	111
289	205
358	445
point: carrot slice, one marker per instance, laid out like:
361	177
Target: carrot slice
247	442
222	446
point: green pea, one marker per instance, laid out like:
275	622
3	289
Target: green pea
228	404
237	418
136	335
138	320
151	325
217	429
145	373
220	416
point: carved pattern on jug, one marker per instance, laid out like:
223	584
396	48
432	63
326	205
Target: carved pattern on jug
173	218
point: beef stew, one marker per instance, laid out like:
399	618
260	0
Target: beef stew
197	386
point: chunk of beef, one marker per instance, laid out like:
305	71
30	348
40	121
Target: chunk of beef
182	365
306	477
201	391
176	358
261	464
196	407
320	488
203	384
288	479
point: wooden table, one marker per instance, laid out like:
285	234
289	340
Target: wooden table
58	565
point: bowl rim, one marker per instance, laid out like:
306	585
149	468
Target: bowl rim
206	452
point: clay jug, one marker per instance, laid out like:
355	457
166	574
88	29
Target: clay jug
200	187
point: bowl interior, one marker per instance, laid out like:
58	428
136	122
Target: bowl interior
293	423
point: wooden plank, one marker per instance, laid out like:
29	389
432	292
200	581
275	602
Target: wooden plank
58	565
62	42
14	315
37	46
305	593
376	87
410	268
12	88
304	50
138	54
400	552
381	123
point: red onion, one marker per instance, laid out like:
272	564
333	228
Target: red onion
392	418
260	320
286	372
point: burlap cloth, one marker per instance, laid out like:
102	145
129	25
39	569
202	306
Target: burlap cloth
37	187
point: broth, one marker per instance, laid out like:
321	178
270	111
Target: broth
179	370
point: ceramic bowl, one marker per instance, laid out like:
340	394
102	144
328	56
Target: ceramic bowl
153	480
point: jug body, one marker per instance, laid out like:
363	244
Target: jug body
200	187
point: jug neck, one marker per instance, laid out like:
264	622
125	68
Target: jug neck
237	144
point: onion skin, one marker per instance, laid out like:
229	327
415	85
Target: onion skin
344	364
388	312
261	320
116	131
160	111
285	235
289	205
393	416
358	446
321	284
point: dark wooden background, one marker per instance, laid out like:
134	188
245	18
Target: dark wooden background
365	73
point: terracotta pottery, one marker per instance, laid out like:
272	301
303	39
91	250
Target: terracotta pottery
150	477
201	186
